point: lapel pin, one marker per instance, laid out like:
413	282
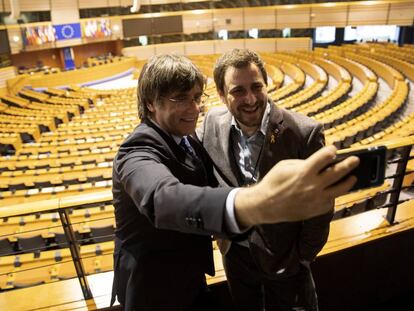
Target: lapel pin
272	138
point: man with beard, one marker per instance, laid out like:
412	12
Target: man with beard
167	204
269	269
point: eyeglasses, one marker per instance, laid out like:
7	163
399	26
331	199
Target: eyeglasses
186	101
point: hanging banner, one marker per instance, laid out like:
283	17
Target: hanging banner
67	31
69	58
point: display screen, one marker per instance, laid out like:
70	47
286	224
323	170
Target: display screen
136	27
381	33
4	42
325	34
167	24
152	26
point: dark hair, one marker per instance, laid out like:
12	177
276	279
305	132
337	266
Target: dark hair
237	58
164	74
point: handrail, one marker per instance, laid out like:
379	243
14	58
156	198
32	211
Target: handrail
106	195
53	205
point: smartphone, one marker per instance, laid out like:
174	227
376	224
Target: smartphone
371	169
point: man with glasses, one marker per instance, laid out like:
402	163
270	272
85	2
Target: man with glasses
167	204
245	139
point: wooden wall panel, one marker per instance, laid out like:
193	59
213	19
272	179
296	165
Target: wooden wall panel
230	19
15	47
83	52
37	5
220	46
263	18
364	14
262	45
199	48
65	11
296	17
29	59
116	26
112	3
293	44
401	14
329	16
227	45
29	5
139	52
6	74
84	4
6	6
194	23
176	48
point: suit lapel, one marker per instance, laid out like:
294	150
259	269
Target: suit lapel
272	146
223	157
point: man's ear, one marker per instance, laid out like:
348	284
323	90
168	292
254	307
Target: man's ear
150	107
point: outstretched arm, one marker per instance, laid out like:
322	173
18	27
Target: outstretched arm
290	184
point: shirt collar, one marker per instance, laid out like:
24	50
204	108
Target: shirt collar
263	125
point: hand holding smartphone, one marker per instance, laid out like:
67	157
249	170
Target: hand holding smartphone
371	169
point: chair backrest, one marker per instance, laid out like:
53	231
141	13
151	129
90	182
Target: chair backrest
62	242
34	244
102	234
6	248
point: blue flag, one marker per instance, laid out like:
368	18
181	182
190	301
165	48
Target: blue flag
67	31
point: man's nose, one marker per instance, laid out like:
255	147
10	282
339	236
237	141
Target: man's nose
250	97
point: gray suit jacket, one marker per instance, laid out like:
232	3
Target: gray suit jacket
278	249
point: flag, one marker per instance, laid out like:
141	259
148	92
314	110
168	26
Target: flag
67	31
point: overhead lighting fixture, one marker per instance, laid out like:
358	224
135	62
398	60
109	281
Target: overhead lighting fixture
198	12
369	2
328	4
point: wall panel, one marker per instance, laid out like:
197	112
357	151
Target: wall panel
219	46
27	5
262	45
65	11
230	19
401	14
293	44
49	58
198	22
363	14
34	5
139	52
227	45
176	48
15	47
199	48
85	4
296	17
6	74
263	18
329	16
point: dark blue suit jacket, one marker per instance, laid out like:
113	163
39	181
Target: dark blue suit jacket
165	216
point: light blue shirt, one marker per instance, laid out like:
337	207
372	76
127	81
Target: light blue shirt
247	151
